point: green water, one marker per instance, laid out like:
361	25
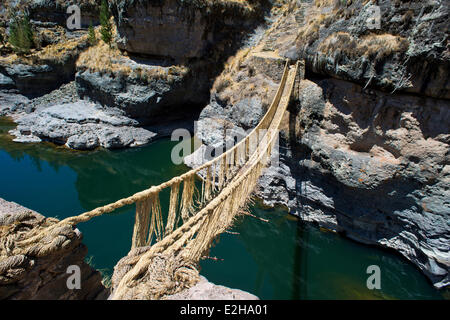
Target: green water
279	259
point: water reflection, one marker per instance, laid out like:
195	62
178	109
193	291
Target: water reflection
287	259
60	182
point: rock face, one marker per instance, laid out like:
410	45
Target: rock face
402	48
54	11
42	71
205	290
181	30
161	76
148	101
374	167
166	83
40	271
33	80
371	166
81	125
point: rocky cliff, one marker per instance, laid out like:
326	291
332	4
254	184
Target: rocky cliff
53	11
394	45
365	146
147	75
361	157
183	29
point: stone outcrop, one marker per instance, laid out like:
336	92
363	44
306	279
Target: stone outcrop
81	125
372	166
40	271
182	29
405	49
54	11
56	49
154	99
42	71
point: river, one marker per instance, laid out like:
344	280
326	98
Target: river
279	259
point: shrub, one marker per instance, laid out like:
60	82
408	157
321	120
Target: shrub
92	36
106	28
21	33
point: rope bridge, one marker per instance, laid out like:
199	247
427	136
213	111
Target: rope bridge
196	215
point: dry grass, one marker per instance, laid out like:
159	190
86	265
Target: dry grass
231	68
100	58
107	59
223	82
373	46
244	4
326	3
104	59
310	31
316	18
59	50
240	79
233	65
56	53
382	45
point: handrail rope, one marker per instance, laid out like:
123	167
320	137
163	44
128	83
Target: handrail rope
146	193
86	216
182	235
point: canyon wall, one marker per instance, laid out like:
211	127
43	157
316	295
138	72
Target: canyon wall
369	159
157	71
183	29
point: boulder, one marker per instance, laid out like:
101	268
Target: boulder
205	290
40	271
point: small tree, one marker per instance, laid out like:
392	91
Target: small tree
106	28
92	37
21	33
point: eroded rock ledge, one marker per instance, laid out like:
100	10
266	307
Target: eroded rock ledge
81	125
183	29
171	52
